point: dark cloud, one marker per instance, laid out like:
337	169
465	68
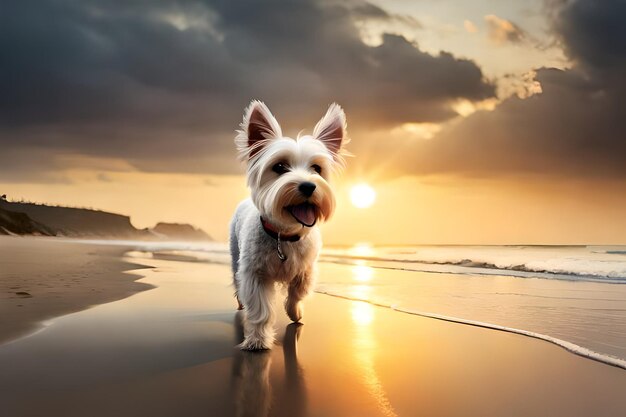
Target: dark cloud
575	127
163	84
594	34
28	164
370	12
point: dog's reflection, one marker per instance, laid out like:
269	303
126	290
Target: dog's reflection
254	393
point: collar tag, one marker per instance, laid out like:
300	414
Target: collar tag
279	249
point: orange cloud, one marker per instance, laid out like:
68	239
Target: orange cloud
469	26
502	31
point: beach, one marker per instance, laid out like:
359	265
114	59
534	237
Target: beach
158	338
41	278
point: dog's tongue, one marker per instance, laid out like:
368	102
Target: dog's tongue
304	213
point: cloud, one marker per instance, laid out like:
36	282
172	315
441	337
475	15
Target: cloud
469	26
370	12
593	35
163	85
502	31
103	177
572	126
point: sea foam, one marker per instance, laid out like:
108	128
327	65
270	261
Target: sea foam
562	262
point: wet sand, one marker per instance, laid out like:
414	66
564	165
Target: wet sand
41	278
170	352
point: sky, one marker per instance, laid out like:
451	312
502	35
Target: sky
485	122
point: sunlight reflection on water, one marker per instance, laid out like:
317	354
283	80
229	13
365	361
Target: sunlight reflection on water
365	349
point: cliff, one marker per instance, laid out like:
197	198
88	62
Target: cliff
21	224
180	231
41	219
76	222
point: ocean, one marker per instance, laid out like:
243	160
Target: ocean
572	296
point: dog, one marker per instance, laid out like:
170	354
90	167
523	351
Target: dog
274	236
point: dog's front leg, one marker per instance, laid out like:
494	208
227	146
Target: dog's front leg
299	288
257	296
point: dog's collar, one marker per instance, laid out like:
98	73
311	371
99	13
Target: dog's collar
270	230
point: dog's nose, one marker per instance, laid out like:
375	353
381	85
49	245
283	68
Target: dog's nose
307	188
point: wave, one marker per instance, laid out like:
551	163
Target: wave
549	262
457	269
560	262
569	346
570	263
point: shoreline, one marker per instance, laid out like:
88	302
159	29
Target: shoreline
570	347
42	279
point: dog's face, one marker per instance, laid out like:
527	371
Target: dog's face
289	177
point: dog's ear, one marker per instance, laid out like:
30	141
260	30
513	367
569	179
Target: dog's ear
258	127
331	129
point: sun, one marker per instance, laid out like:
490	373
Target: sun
362	196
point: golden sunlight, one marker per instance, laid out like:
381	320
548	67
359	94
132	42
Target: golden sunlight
362	272
360	292
362	313
362	196
361	249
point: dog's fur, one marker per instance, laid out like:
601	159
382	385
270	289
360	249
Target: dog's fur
257	267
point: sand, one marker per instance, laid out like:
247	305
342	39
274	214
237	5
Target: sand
41	278
170	352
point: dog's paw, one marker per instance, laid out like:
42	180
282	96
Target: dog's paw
254	343
294	311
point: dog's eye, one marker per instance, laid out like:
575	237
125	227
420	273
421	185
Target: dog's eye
317	168
280	168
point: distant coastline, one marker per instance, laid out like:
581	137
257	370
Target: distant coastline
28	218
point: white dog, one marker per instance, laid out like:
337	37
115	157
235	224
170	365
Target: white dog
273	235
